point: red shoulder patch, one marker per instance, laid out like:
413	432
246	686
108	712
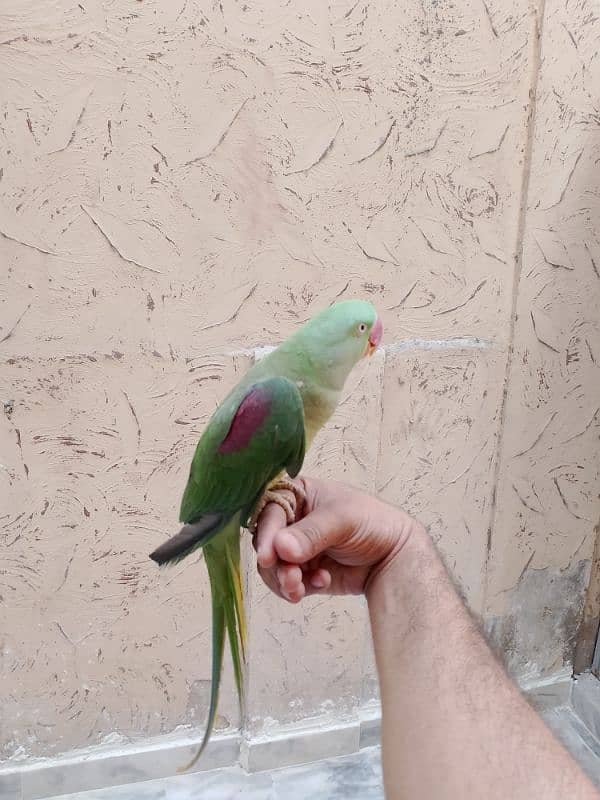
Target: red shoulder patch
250	415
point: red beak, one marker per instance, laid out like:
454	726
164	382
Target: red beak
375	336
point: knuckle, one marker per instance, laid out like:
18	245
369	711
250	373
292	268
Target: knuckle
313	538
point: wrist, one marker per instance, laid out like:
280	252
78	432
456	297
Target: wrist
409	540
411	591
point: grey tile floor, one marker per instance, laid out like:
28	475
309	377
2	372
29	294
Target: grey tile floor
356	776
343	778
583	745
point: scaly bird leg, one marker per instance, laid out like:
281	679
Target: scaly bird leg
291	506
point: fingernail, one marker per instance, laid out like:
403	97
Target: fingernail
318	582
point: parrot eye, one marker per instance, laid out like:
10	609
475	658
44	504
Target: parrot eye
362	327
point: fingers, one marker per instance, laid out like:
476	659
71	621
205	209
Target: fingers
292	559
290	583
306	539
320	580
287	585
271	521
273	518
289	577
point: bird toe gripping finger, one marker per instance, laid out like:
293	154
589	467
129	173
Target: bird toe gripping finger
272	495
296	490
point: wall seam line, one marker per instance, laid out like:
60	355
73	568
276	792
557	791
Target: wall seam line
538	29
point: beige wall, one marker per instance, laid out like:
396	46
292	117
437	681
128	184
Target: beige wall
547	489
183	182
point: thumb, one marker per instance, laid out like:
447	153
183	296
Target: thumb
315	533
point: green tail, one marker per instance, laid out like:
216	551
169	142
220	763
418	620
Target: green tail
222	556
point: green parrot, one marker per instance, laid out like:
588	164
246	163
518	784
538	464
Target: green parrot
259	432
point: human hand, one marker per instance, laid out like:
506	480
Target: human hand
341	540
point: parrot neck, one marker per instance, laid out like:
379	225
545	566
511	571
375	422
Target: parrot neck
318	380
325	370
329	372
319	405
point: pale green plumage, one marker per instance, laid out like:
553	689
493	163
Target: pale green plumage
318	357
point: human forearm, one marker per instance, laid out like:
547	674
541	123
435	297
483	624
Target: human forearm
454	726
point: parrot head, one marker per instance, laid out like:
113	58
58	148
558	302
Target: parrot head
336	339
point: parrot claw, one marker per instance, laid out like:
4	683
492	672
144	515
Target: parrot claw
272	495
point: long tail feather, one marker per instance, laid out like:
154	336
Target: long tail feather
222	555
218	641
236	657
233	557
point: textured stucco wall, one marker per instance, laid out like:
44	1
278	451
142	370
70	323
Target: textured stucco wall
183	182
548	483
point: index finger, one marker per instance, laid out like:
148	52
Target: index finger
270	522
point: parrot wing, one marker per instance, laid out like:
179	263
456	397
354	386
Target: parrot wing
265	436
238	455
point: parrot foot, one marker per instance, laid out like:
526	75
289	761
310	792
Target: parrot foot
272	495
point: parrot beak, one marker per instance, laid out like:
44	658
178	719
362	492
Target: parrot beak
375	337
